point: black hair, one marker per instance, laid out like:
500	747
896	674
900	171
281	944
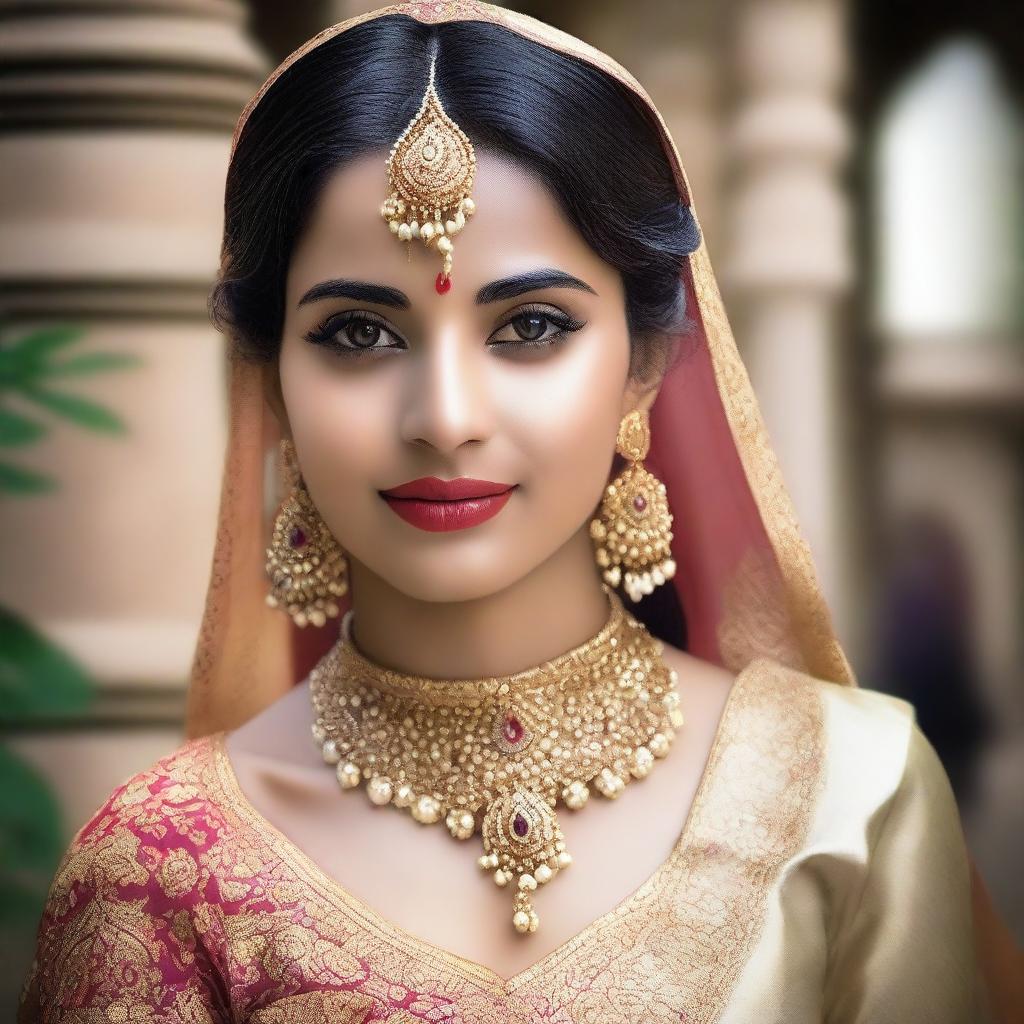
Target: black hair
586	136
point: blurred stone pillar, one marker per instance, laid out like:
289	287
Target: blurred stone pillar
674	50
115	129
788	261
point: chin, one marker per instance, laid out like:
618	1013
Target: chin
448	577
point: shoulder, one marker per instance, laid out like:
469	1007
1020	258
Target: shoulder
150	834
180	782
860	726
875	744
870	780
857	748
868	716
872	754
137	886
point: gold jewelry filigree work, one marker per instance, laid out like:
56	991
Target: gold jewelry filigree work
307	569
633	529
496	754
430	175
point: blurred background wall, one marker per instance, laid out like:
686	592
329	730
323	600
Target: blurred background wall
857	171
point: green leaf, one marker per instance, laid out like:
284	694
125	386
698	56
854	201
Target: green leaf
37	679
35	346
25	359
31	840
15	480
15	429
94	362
79	410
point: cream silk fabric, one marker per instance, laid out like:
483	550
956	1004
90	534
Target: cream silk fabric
821	876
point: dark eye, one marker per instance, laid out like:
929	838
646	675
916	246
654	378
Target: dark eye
353	332
536	327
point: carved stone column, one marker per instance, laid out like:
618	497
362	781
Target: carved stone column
788	260
115	127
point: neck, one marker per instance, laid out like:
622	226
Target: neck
559	605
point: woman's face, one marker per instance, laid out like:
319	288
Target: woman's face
384	381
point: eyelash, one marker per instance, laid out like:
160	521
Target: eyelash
326	331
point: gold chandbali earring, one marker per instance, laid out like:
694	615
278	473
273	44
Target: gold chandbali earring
633	530
307	570
494	755
430	176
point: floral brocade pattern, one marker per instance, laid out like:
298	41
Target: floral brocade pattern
177	902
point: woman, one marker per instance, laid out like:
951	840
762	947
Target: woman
518	292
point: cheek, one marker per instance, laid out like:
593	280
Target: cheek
553	421
567	421
338	422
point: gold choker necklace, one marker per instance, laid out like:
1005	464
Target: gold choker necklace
495	754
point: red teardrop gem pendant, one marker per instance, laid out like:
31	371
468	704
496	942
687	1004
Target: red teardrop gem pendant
442	284
520	826
512	729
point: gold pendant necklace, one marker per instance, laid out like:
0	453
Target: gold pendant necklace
496	754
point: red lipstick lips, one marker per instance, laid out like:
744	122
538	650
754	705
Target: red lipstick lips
433	504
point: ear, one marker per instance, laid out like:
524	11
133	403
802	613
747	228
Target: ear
274	397
640	395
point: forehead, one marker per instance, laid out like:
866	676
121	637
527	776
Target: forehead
518	225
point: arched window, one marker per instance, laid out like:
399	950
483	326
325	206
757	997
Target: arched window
949	230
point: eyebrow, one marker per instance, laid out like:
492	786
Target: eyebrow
495	291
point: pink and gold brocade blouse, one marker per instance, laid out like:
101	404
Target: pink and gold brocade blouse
821	875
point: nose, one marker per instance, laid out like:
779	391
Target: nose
447	401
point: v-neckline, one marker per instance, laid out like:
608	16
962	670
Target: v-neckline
428	952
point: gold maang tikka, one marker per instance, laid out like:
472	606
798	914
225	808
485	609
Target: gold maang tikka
495	755
430	176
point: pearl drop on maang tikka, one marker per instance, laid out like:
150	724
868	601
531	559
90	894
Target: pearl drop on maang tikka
503	749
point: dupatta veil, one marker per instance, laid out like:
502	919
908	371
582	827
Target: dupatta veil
744	575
